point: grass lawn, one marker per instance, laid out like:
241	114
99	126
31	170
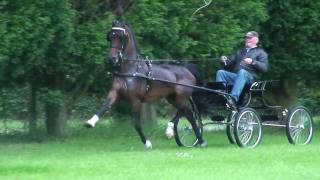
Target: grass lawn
114	151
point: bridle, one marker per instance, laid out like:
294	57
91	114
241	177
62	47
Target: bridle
123	39
123	36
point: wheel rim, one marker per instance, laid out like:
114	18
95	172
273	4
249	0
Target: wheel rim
300	127
248	129
230	127
185	133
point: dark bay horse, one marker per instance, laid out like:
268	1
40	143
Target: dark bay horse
124	55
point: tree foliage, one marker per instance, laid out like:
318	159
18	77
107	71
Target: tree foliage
166	29
293	36
58	48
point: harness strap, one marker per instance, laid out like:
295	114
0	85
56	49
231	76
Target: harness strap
139	75
149	75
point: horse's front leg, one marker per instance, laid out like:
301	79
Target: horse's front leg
169	130
136	107
111	99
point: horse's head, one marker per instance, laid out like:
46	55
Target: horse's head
118	37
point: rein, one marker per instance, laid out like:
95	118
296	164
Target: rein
139	75
149	74
170	60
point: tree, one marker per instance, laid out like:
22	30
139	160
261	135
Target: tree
37	39
24	36
165	28
291	37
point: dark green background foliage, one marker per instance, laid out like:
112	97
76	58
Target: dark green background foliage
54	52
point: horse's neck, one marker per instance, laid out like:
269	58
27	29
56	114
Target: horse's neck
131	62
131	52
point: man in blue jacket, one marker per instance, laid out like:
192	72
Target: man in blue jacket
244	67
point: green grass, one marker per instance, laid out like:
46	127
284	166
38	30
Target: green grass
114	151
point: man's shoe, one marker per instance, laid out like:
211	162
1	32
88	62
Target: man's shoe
231	103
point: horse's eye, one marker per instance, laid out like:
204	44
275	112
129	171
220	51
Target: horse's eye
113	35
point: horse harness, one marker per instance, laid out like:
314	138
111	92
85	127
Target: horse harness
148	76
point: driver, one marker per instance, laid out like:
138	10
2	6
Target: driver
244	67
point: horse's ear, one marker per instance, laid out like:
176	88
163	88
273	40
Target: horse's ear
115	22
126	31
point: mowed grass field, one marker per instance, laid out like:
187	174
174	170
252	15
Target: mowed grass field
114	151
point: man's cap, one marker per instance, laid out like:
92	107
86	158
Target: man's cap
252	34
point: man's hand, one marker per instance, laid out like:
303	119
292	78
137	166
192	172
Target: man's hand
248	60
223	59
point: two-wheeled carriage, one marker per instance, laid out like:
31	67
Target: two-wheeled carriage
244	124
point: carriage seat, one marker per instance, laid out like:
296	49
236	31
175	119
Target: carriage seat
251	89
256	86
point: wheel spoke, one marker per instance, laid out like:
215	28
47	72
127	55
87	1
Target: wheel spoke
184	134
250	117
295	134
248	128
299	127
244	137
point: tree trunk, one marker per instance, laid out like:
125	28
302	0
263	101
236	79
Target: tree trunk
32	109
55	124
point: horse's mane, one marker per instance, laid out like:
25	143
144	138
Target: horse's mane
124	22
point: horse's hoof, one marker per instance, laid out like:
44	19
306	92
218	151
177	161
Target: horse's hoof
169	130
204	144
88	125
148	145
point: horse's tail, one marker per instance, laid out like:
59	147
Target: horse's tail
205	101
194	69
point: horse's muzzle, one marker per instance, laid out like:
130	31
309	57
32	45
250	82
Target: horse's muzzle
113	60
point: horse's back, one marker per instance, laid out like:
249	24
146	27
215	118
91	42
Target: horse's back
172	73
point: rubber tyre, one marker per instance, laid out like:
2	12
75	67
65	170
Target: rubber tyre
183	132
299	126
230	128
247	128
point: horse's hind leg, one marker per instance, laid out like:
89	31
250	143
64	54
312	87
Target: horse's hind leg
111	99
189	115
184	109
136	107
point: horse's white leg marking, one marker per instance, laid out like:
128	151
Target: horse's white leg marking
148	145
169	130
92	122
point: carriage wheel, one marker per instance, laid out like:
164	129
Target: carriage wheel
299	126
183	132
230	127
247	128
